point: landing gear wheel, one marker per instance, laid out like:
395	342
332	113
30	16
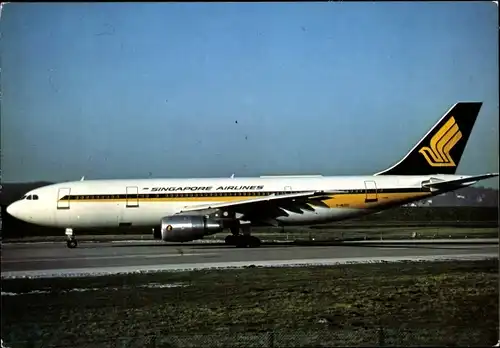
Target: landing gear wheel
248	241
244	240
71	240
231	239
240	242
253	242
71	243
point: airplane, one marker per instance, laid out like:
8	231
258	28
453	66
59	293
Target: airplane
182	210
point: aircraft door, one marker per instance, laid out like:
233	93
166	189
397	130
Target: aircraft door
63	198
132	197
371	192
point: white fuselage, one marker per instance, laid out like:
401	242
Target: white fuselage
144	202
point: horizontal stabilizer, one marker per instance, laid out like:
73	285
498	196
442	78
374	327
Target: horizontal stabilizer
470	180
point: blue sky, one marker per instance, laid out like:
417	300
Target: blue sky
132	90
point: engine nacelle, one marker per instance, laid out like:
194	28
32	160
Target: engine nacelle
185	228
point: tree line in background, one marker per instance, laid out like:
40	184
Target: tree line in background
482	216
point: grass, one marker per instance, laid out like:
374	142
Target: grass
415	303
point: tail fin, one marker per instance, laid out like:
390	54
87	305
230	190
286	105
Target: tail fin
440	150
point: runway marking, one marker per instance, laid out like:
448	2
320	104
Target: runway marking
104	271
107	257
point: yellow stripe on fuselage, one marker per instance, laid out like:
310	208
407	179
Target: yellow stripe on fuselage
358	200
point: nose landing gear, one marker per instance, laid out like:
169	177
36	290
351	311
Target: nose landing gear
71	240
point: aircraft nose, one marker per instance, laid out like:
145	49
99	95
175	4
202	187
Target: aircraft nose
15	210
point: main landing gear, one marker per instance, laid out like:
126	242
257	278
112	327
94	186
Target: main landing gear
71	240
242	240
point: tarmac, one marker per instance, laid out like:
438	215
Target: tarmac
52	259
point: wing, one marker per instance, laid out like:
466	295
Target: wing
311	195
268	207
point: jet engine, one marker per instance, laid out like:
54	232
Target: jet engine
185	228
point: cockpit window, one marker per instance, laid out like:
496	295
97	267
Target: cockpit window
24	197
35	197
29	198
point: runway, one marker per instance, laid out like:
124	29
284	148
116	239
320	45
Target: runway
55	260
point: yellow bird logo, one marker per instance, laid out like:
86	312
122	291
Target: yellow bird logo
438	154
